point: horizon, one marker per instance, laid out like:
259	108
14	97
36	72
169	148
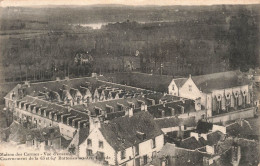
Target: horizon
31	3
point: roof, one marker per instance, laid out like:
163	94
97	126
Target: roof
155	110
167	150
240	128
34	88
190	143
204	127
180	81
53	106
154	82
83	134
208	83
170	98
43	134
214	137
110	103
120	136
17	133
175	121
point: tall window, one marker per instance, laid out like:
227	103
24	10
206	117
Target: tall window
89	142
190	88
100	155
122	154
145	159
136	150
172	87
100	144
89	152
153	143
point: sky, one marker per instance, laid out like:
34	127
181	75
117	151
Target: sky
5	3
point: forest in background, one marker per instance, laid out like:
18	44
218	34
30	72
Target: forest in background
42	43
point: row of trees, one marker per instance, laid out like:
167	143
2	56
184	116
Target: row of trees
230	37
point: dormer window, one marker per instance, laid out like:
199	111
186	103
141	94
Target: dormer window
50	115
39	111
55	117
141	135
98	111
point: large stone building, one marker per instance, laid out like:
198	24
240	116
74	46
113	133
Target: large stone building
130	140
218	92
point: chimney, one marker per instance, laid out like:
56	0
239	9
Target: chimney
163	113
172	111
94	123
67	78
27	83
57	78
143	107
130	112
164	104
182	109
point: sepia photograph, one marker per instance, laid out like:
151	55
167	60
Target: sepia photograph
129	83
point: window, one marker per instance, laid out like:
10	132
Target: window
46	143
145	159
122	154
173	87
89	152
136	150
153	143
100	156
100	144
154	154
190	88
89	142
137	162
32	142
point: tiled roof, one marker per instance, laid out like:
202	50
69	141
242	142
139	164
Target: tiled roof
52	106
204	127
83	134
64	142
170	98
208	83
214	137
17	133
240	128
121	133
154	82
181	156
43	134
112	103
190	143
167	150
188	105
175	121
180	81
55	85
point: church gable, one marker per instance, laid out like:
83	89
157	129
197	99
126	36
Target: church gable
190	90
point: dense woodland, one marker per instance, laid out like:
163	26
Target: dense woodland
41	43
